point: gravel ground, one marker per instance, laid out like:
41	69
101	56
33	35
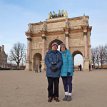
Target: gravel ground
29	89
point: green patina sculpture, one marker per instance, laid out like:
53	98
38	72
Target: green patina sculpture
61	13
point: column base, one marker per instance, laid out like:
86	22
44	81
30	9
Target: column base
28	66
43	66
86	65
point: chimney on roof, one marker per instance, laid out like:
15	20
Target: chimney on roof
2	48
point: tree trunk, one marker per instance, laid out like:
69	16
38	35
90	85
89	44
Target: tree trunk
18	65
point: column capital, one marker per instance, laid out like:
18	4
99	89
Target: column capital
44	37
29	38
43	31
85	33
85	29
66	29
28	33
43	34
66	35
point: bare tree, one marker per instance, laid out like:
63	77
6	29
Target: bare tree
99	55
93	56
17	53
97	58
106	53
102	54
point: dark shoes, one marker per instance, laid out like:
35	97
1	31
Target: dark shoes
50	99
67	98
56	99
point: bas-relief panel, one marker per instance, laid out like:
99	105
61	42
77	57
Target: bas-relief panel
36	39
55	29
62	38
55	25
37	45
37	28
76	42
75	23
76	35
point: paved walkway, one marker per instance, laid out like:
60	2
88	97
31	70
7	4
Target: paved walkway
29	89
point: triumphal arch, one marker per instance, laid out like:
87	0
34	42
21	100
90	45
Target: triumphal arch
74	32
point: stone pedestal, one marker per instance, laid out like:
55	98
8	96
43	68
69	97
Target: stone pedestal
43	65
86	65
28	66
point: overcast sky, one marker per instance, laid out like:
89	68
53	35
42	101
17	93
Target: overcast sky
16	14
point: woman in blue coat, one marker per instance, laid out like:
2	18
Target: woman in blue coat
67	72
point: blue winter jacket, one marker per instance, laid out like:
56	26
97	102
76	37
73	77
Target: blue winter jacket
68	65
53	56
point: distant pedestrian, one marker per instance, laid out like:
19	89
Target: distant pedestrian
40	66
80	67
89	67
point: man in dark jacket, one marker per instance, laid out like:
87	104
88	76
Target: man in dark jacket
53	61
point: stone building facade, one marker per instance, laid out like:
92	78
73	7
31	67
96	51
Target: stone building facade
3	57
74	32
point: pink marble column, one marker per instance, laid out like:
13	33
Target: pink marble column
66	30
43	50
67	40
86	58
28	58
44	45
86	44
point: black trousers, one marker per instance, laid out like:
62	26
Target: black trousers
53	87
67	82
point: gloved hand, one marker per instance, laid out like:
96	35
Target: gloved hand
54	68
68	73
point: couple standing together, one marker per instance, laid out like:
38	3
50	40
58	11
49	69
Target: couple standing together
59	64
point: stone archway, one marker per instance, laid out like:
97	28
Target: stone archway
36	61
56	40
74	32
80	61
77	52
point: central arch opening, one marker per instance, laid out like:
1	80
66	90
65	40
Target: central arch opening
78	60
57	41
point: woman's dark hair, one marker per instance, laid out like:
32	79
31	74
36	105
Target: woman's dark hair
63	45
